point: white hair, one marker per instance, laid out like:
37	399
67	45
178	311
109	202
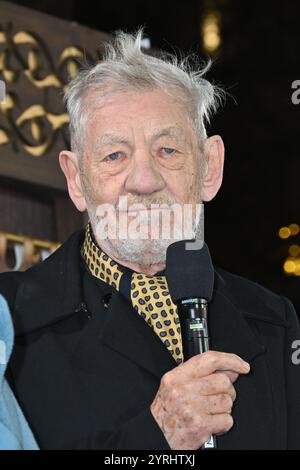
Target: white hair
126	67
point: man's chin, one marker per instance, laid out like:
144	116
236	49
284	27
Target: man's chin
144	252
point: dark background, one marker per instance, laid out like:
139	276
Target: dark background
257	62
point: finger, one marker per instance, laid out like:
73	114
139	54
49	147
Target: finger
216	384
233	376
194	390
221	423
218	404
209	362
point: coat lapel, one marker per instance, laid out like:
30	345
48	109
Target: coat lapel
126	332
230	331
233	326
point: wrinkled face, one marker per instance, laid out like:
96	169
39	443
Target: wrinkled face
140	145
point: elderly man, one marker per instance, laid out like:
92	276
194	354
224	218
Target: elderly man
98	360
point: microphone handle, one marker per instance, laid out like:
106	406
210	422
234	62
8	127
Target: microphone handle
195	337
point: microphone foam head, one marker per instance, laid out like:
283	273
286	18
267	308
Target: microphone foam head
189	272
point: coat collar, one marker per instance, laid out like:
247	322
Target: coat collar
53	291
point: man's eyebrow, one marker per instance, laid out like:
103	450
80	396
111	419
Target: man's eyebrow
171	131
111	139
108	139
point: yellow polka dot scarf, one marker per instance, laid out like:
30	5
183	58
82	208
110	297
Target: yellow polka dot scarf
149	294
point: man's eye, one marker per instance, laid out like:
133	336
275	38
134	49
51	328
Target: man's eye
168	150
112	157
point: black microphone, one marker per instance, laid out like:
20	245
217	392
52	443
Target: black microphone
190	277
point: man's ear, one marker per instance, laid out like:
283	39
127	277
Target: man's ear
214	156
69	165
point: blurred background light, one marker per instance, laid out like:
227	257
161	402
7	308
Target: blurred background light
210	31
294	250
294	229
284	232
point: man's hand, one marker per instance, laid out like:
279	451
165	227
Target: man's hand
195	399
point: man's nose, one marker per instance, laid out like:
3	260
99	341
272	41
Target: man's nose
144	177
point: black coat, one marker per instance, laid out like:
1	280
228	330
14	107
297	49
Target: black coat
86	367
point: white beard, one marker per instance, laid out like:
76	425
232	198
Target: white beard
145	251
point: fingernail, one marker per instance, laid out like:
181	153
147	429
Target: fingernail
243	361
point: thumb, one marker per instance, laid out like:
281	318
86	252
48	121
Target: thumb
233	376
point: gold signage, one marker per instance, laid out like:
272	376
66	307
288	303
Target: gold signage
26	54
